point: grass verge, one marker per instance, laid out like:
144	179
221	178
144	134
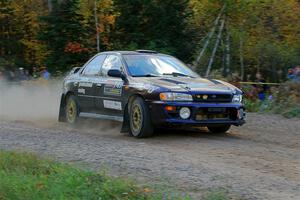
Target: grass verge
26	176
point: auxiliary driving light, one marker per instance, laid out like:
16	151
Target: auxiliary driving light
184	113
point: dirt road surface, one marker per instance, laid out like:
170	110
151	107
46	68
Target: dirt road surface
260	160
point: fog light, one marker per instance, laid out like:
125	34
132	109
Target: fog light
185	113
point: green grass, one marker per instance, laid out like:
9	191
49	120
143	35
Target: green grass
286	109
26	176
217	194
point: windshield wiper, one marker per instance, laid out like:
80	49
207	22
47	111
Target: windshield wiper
175	74
146	75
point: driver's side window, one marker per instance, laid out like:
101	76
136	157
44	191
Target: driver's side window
93	67
111	62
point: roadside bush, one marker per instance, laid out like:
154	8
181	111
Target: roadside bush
285	100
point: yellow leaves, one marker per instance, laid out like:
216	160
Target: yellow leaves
34	51
110	19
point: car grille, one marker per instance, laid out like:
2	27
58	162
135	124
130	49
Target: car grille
214	98
216	114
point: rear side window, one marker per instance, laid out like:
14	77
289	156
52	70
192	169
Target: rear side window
93	67
111	62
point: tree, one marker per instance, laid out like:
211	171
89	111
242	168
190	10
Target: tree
65	35
105	15
264	34
158	25
19	26
9	47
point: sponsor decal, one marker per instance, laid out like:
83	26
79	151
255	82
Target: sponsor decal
116	105
144	86
85	84
113	89
81	90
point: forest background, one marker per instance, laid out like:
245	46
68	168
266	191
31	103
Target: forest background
224	37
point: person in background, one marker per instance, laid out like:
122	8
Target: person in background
44	73
297	74
34	73
294	74
297	71
261	88
27	74
22	76
9	75
291	75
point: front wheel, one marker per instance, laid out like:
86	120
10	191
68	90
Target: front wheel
72	110
139	119
219	128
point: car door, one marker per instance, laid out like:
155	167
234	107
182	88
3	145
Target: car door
109	99
88	83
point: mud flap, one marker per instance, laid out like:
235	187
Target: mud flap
125	124
61	115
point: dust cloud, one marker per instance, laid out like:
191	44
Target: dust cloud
38	102
30	100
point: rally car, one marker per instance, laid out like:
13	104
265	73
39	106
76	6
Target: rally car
147	90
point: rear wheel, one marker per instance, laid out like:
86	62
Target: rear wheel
219	128
139	119
72	110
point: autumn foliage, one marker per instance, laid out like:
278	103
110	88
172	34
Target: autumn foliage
63	35
75	47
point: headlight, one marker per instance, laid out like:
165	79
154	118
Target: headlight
171	96
237	98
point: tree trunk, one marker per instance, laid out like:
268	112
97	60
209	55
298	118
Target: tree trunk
227	65
49	5
242	59
211	33
96	25
211	60
223	68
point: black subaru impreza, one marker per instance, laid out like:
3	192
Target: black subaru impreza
147	90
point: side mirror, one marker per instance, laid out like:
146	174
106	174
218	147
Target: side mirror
116	73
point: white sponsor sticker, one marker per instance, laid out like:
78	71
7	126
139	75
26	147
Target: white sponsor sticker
85	84
81	90
116	105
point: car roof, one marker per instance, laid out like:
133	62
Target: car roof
137	52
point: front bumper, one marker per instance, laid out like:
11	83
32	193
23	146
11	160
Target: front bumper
160	116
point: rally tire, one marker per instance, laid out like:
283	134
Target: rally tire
71	110
219	128
139	119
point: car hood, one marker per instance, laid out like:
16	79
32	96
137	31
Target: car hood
186	84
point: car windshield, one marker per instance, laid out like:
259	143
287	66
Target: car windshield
156	65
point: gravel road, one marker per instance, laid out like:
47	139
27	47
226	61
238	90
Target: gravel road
260	160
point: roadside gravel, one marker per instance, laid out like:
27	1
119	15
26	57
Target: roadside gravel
260	160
